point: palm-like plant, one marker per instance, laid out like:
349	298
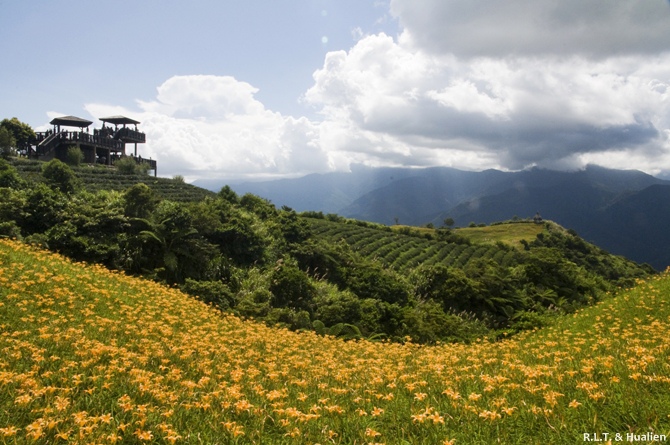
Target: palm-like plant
173	232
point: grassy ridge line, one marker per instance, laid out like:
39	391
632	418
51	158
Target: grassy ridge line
91	356
511	234
508	233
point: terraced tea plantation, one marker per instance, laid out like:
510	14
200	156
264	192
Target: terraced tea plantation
404	252
103	178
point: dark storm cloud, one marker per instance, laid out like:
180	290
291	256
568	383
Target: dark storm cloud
518	141
597	28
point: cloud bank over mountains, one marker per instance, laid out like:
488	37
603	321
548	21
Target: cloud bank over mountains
474	85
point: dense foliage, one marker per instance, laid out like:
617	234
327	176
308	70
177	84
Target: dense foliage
352	279
15	136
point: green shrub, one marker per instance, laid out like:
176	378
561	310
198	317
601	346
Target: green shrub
74	156
9	176
128	166
291	288
9	229
211	292
333	306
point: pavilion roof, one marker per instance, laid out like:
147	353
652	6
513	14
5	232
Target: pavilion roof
119	120
70	121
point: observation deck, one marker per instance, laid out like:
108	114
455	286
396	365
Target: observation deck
104	146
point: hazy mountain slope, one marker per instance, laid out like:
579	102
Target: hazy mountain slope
626	223
569	202
327	192
410	200
492	195
636	226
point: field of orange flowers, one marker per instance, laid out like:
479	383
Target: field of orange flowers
94	357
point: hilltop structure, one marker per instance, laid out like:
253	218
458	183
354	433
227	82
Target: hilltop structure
104	146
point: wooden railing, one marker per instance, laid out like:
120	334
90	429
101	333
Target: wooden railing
127	135
47	142
150	162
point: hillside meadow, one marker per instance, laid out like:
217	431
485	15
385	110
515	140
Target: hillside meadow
89	356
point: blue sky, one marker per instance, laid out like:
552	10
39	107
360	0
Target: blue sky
259	89
67	53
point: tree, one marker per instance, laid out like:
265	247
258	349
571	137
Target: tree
7	143
228	194
369	279
44	208
12	203
91	227
9	176
23	134
240	241
337	307
260	206
294	229
446	285
140	201
214	293
184	253
427	323
58	175
449	222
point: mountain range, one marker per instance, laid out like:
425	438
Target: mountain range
623	211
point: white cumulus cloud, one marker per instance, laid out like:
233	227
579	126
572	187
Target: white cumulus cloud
476	84
543	88
212	126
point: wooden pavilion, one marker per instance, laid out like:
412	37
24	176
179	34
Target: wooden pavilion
104	146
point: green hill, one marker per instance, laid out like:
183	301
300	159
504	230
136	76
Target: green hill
324	273
93	356
404	248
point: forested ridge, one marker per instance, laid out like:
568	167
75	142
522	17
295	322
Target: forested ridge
305	271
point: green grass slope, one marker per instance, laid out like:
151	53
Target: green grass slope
91	356
507	233
510	234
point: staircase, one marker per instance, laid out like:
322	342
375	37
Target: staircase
47	146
